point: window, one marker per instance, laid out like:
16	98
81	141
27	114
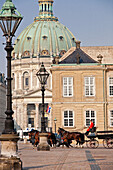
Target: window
45	53
31	121
26	53
45	7
28	38
67	86
111	86
62	52
31	109
89	86
90	115
68	118
26	81
111	118
61	38
44	37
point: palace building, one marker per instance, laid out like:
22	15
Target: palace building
45	40
82	90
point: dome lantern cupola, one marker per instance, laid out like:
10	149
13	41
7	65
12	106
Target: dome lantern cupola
45	11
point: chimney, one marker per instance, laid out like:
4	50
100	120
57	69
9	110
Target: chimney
78	44
57	59
100	57
78	58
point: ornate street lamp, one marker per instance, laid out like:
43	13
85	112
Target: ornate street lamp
10	19
55	120
43	75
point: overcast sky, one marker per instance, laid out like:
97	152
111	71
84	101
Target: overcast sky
91	21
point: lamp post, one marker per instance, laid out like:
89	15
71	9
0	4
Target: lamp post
10	19
43	75
55	120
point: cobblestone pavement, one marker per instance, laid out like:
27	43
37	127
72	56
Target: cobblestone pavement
65	159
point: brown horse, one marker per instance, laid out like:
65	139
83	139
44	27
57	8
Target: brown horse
51	139
34	138
69	136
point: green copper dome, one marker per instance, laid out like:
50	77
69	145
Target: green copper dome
45	36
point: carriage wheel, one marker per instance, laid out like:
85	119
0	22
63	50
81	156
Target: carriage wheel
110	143
94	143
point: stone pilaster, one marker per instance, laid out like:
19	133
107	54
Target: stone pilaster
37	116
31	75
25	116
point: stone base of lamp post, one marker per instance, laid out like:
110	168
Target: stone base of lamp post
10	163
43	145
9	157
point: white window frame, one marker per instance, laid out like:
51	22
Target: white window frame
68	118
68	86
111	118
110	85
90	118
89	85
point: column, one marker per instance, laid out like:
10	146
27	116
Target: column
20	80
25	116
15	81
31	79
37	116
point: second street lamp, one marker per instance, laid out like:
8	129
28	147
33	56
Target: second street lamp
43	75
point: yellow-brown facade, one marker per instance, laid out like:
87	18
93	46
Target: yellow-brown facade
100	104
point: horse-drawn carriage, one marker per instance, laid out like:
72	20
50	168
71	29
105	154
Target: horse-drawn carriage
106	136
65	138
92	141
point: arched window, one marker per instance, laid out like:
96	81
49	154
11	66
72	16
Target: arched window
26	53
68	118
45	7
62	52
26	80
48	7
45	53
42	7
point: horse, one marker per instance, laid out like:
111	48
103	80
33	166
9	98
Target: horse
51	139
34	138
69	136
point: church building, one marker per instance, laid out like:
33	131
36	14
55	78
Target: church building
45	40
41	41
